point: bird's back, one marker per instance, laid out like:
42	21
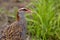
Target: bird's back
12	32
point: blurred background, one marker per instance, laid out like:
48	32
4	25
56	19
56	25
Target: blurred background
43	24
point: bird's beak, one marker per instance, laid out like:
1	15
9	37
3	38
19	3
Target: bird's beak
29	11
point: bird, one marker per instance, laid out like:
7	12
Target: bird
16	30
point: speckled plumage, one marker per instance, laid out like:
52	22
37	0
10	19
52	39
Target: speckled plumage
17	30
12	32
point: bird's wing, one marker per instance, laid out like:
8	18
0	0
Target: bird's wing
13	31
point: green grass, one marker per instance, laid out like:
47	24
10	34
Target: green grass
45	21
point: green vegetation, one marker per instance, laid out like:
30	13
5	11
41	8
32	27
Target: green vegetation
44	23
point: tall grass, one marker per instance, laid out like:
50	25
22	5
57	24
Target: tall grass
45	21
44	24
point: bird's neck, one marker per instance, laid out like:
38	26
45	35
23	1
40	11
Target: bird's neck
22	22
20	17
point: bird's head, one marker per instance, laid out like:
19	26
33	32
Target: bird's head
22	12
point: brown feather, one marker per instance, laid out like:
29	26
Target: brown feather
13	32
17	30
17	16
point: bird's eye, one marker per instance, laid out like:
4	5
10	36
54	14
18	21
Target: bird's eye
24	9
